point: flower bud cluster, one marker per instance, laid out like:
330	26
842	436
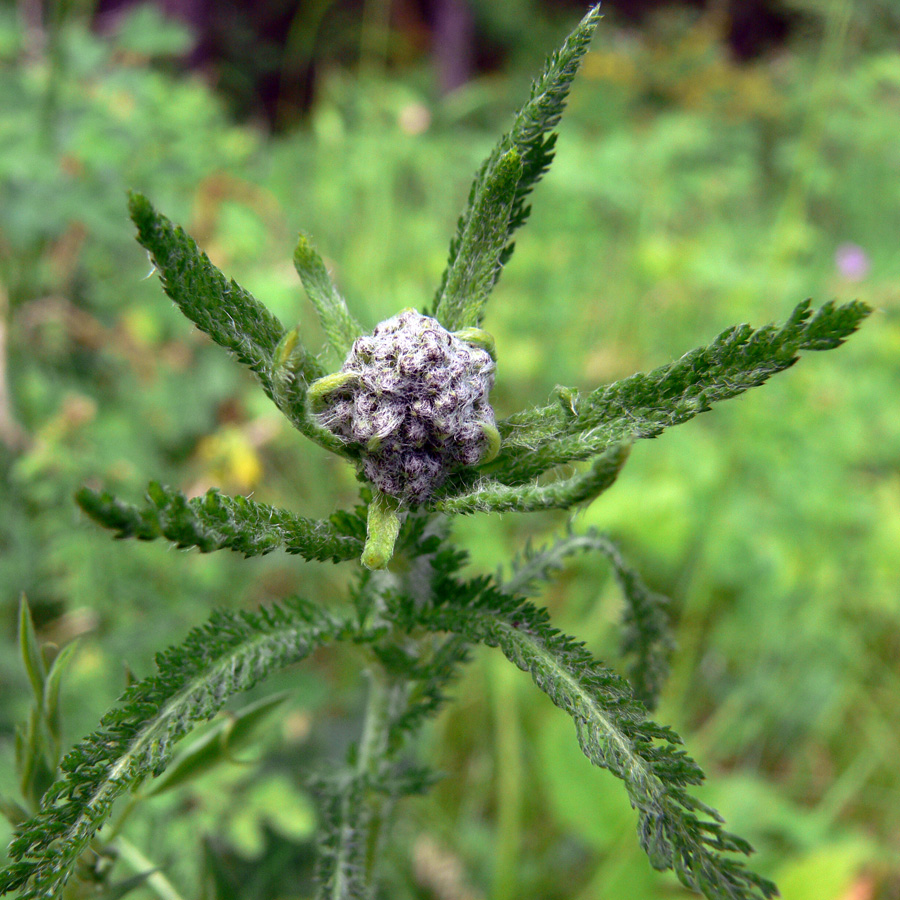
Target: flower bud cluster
416	407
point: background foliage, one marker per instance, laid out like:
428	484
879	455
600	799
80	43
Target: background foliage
689	192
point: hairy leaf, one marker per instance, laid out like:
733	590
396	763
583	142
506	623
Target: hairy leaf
224	738
429	681
644	405
676	830
532	138
230	315
215	521
535	566
475	270
340	328
227	655
561	494
646	634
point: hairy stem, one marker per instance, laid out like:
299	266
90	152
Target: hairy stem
373	752
360	804
509	777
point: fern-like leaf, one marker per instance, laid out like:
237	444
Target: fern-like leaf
676	830
646	636
647	640
229	654
216	521
564	493
340	328
230	315
644	405
535	566
481	247
532	138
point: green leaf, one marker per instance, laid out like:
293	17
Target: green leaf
675	830
51	690
228	655
427	675
293	370
644	405
30	650
646	633
217	745
35	775
586	803
534	566
124	887
475	270
216	521
340	328
561	494
230	315
531	138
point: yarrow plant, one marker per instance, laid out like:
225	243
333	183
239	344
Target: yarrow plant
409	407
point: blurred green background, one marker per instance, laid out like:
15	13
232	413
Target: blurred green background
697	185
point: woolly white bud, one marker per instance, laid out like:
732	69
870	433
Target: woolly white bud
417	407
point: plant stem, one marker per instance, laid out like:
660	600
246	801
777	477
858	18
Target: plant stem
157	882
509	778
372	757
360	809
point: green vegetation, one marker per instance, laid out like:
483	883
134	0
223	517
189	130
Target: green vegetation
688	193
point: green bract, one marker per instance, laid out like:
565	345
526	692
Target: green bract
410	410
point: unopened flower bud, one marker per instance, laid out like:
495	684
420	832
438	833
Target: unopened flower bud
414	399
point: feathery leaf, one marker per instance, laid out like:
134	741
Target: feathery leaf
536	565
227	655
230	315
218	744
564	493
531	137
676	830
340	328
646	635
475	269
216	521
644	405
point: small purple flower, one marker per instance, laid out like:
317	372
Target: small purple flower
852	261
